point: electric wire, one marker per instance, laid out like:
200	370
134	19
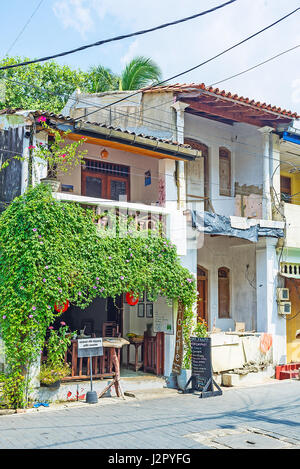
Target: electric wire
118	38
201	64
24	27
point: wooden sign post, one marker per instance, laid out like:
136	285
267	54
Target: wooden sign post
202	374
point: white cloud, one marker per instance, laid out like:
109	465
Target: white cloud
180	47
74	14
131	52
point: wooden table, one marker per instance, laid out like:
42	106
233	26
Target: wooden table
114	343
137	365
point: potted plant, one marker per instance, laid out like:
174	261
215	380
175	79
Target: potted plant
51	375
200	330
60	157
55	368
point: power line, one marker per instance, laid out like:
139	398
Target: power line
118	38
199	65
24	27
158	123
255	66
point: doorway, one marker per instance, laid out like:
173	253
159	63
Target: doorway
202	288
105	180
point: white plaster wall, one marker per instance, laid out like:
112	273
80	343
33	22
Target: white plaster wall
138	165
245	144
268	319
236	255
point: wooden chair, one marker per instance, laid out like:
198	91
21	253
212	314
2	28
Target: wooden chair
110	329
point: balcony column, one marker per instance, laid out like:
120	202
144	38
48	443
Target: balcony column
268	319
180	108
266	204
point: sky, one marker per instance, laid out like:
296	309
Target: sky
60	25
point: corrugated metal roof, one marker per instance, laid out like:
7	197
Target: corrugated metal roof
71	120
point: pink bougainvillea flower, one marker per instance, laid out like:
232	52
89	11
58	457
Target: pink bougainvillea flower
50	327
97	278
4	317
79	293
30	316
58	278
63	323
34	229
33	308
94	287
46	266
42	119
122	278
44	280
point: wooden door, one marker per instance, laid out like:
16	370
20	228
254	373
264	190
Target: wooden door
117	188
105	181
94	184
202	288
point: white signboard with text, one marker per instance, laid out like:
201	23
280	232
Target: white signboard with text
163	320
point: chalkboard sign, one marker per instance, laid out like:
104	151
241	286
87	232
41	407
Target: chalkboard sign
202	373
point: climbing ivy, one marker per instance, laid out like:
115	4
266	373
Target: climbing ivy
50	252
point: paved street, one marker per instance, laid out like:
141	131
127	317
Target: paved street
161	422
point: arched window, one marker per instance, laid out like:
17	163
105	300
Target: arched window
225	171
224	292
204	149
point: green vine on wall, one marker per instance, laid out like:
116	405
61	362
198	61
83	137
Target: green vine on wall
51	252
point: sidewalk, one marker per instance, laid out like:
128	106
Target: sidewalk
130	396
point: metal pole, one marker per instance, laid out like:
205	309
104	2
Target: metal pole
91	371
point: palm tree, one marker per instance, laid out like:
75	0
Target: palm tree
138	73
100	78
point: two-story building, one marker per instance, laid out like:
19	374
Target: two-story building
128	173
235	242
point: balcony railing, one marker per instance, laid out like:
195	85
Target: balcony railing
127	217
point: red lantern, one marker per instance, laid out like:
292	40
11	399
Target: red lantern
131	300
62	309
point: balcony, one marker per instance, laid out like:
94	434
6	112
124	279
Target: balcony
133	216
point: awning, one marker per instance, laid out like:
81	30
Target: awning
214	224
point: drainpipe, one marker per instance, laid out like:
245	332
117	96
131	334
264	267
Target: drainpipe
267	148
180	177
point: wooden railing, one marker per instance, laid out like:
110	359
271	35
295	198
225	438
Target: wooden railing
102	367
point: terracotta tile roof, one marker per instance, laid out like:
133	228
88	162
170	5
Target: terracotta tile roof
192	87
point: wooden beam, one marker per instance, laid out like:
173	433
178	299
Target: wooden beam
124	147
233	115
